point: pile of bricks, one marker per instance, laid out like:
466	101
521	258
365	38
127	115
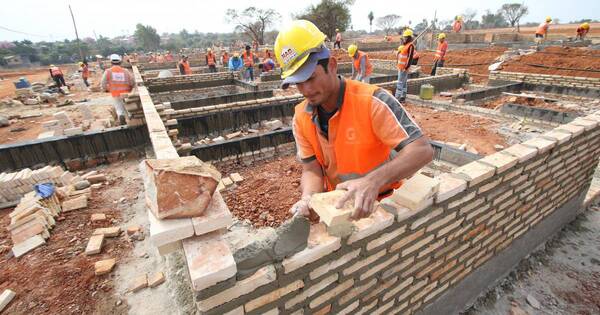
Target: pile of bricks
63	125
15	185
135	113
546	79
188	79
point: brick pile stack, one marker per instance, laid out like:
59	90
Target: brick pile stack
419	243
15	185
546	79
62	125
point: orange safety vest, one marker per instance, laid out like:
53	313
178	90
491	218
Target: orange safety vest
368	66
338	37
456	26
56	71
186	67
248	59
225	58
542	29
118	82
169	57
440	53
85	72
356	148
211	60
403	57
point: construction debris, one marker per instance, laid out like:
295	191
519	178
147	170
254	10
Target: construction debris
6	297
103	267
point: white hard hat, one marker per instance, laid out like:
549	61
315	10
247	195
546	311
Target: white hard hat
115	57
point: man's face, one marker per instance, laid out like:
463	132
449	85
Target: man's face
320	85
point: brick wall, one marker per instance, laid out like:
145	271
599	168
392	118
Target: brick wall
546	79
401	259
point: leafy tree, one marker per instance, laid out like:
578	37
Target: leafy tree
493	20
469	19
371	17
329	15
146	37
513	12
421	26
252	21
388	23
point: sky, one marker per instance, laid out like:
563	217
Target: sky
50	20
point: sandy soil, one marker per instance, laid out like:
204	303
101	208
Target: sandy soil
563	57
560	29
531	102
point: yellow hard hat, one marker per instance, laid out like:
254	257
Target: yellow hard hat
548	19
208	50
337	29
400	48
294	44
407	32
441	35
352	50
80	63
585	25
458	17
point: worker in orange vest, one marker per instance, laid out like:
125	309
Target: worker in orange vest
405	60
268	54
361	65
57	75
248	59
169	56
349	135
542	31
117	81
225	58
582	30
458	24
85	73
440	53
338	39
184	66
211	60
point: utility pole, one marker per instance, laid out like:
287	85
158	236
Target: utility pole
76	35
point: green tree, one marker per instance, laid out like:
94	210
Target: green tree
513	12
146	37
388	23
493	20
371	17
329	15
252	21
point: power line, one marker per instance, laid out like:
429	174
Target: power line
19	32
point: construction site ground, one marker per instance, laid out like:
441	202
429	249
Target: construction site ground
558	61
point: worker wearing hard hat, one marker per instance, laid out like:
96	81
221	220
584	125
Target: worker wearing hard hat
457	24
405	60
542	30
236	63
57	75
169	56
85	73
211	60
117	81
184	65
338	39
361	65
224	58
248	59
582	30
440	53
349	135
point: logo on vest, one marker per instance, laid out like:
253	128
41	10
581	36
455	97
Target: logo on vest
288	54
351	135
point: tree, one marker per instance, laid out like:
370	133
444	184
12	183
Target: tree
252	21
388	23
493	20
329	15
146	37
421	26
371	17
513	12
469	19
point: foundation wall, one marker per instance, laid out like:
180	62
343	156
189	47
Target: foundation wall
546	79
184	82
440	83
402	260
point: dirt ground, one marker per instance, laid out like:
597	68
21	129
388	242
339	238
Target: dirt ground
58	278
562	57
531	102
560	29
563	277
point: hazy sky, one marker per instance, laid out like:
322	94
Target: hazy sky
50	20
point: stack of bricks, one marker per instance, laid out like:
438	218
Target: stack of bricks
188	79
15	185
60	125
133	107
440	82
446	70
546	79
31	221
414	247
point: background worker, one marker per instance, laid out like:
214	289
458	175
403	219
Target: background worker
350	135
57	75
224	58
211	60
117	81
267	65
169	56
85	73
542	31
582	31
440	53
457	25
184	66
361	65
248	58
235	63
268	54
405	59
338	39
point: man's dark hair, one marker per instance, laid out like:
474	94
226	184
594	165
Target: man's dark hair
324	63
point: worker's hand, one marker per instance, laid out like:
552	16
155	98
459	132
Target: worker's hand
301	207
364	190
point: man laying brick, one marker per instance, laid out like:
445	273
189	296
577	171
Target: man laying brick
350	135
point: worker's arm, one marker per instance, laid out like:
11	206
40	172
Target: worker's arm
394	127
51	75
411	52
104	82
353	71
363	68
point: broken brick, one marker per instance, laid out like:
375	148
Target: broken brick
156	279
94	245
104	266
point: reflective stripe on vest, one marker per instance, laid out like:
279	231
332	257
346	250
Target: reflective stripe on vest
55	71
117	81
403	57
440	53
248	59
357	150
211	60
368	66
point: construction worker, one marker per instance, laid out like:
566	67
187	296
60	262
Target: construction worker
224	58
57	75
117	81
169	56
582	30
350	135
361	65
457	24
405	59
235	63
184	66
248	58
267	65
211	60
85	72
338	39
542	30
268	54
440	53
